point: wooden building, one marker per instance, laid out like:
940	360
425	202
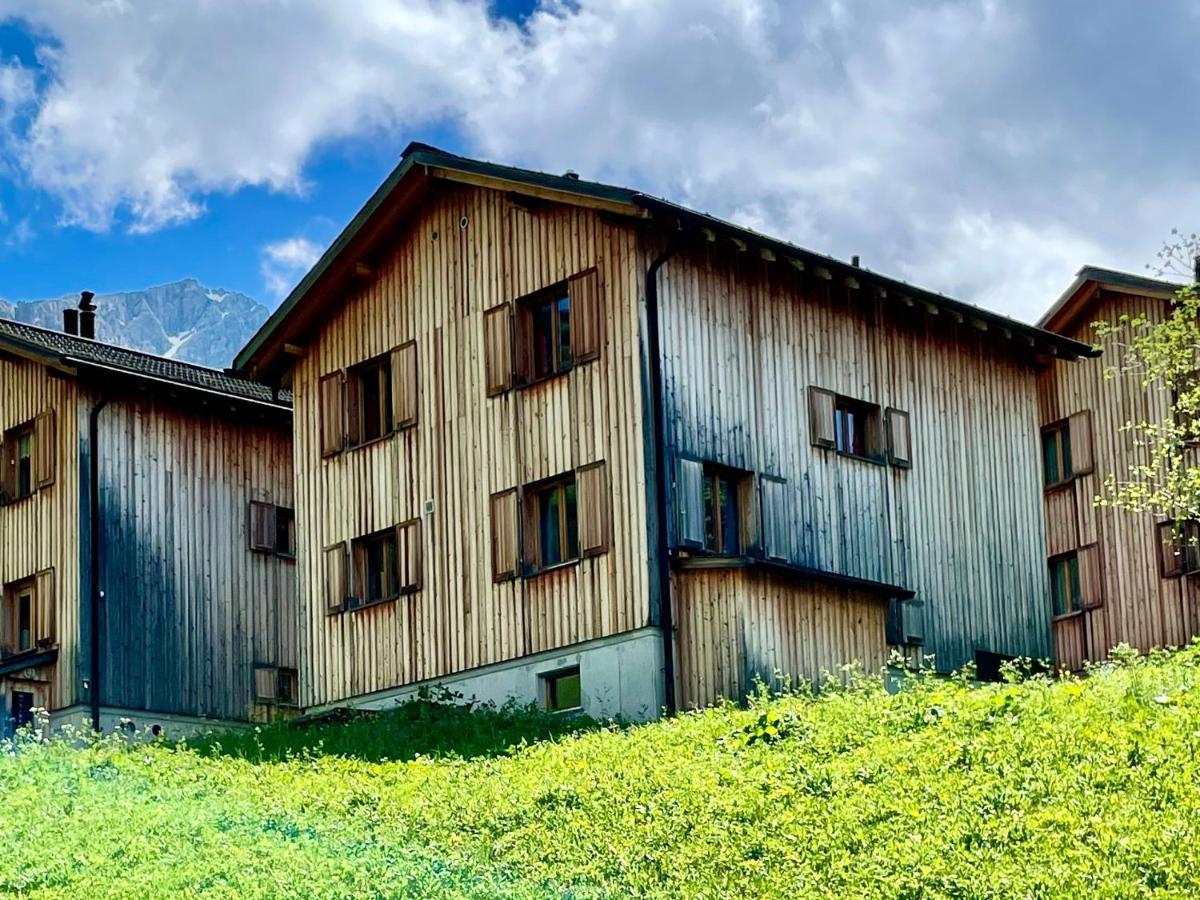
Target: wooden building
1116	576
561	440
146	537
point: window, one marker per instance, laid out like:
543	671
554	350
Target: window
22	709
272	529
20	626
18	475
369	387
722	526
376	568
547	323
552	523
386	565
856	428
1179	548
1056	454
289	687
1065	591
276	685
563	690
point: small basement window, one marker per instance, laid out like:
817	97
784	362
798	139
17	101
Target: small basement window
376	568
288	693
1065	591
1056	453
370	400
22	709
563	690
552	506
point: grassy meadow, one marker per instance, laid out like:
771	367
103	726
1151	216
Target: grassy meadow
1042	788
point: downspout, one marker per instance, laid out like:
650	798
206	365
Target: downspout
658	424
94	552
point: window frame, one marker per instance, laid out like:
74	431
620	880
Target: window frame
735	480
279	515
1184	536
12	594
1075	603
10	482
360	545
1067	473
533	493
550	689
873	425
526	307
381	367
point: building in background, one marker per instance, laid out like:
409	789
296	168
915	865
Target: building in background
564	442
146	537
1116	576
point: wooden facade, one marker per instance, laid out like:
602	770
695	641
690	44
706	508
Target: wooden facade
190	612
768	357
1124	594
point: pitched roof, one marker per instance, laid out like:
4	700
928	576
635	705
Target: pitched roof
421	162
1077	297
73	352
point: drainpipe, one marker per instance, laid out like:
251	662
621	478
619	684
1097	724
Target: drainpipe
94	552
657	423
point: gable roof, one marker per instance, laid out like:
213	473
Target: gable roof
1077	298
74	354
420	164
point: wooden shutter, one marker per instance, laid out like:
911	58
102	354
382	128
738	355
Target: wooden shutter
1082	460
46	608
405	386
593	503
7	471
44	450
266	684
1091	584
262	526
820	416
522	344
776	523
689	502
408	548
331	397
497	350
531	545
504	535
899	438
336	589
587	316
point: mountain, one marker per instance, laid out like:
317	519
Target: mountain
184	320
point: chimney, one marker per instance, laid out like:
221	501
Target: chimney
854	260
71	321
87	316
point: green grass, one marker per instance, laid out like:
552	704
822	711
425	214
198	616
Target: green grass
1039	789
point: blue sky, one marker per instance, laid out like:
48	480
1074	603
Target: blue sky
980	148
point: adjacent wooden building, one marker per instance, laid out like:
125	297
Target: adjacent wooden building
146	538
561	440
1116	576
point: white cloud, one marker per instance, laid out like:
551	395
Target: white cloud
283	263
973	146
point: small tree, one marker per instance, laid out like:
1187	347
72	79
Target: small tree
1165	355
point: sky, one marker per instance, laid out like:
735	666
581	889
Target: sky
980	148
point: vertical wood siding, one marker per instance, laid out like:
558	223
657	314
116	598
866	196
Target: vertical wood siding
468	251
1140	608
744	339
39	532
189	608
736	626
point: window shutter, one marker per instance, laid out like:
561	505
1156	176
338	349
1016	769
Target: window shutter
335	578
504	535
522	344
262	526
408	545
497	350
7	471
899	438
44	449
593	501
1091	585
1080	427
45	624
587	316
266	684
531	547
405	387
820	416
912	614
776	524
331	390
689	502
